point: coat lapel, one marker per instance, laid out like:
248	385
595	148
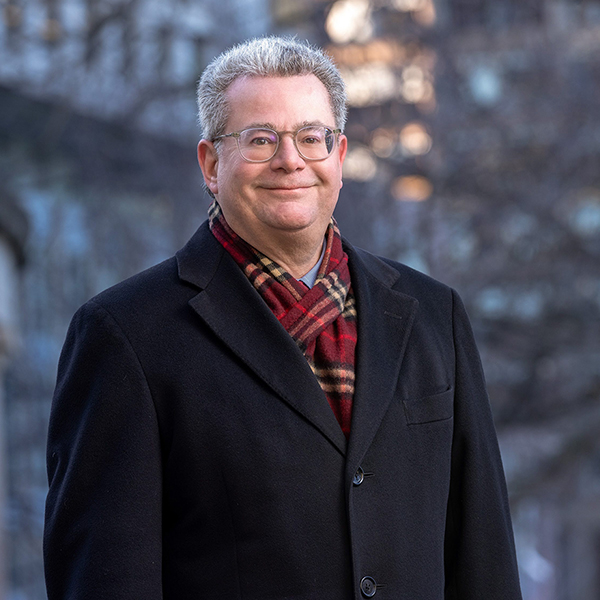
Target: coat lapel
233	309
385	318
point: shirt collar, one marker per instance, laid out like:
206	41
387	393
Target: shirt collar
309	278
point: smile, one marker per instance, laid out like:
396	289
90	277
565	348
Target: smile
286	188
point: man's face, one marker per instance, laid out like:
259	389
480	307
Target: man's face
287	193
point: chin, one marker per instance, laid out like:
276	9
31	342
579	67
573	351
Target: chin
291	224
292	217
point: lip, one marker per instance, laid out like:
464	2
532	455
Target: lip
285	188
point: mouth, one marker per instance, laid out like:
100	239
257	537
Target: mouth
285	188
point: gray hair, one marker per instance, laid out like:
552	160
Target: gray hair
264	57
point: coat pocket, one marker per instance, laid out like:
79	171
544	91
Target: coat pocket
438	407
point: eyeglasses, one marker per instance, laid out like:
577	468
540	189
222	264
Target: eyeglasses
260	144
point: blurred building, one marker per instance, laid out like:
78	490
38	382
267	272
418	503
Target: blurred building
127	61
474	156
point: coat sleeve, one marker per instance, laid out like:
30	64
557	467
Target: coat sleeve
480	553
102	536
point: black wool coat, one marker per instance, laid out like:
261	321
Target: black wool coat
193	455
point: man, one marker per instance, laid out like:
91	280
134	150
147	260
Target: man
272	413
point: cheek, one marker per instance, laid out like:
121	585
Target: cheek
237	178
334	178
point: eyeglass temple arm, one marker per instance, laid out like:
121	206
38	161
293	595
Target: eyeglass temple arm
234	134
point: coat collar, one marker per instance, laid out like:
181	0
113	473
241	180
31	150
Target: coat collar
234	310
385	316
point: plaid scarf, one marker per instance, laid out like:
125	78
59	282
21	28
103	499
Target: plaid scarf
321	320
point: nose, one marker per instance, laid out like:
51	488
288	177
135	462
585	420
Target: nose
287	157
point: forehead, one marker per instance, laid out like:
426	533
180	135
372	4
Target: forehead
281	102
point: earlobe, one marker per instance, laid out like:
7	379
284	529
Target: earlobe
208	160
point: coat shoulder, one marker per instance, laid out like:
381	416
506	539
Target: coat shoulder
158	297
403	278
146	296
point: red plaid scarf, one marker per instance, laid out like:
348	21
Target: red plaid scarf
321	320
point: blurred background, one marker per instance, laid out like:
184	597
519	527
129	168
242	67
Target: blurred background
474	156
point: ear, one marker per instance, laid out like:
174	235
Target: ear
342	149
208	160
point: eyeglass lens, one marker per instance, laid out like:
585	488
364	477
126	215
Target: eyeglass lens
313	143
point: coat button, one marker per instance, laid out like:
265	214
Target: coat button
368	587
358	476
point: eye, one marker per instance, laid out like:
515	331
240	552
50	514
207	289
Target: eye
258	137
311	136
259	141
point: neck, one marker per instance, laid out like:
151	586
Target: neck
296	252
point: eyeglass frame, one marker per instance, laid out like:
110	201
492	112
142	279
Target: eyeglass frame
279	134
